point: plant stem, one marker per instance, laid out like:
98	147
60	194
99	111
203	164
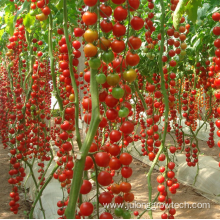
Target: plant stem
35	183
52	64
41	191
166	101
97	187
79	165
140	96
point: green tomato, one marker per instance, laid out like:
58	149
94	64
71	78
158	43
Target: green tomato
126	215
123	112
119	212
32	107
94	63
32	27
145	50
113	79
108	57
10	64
150	56
101	78
140	11
33	12
118	92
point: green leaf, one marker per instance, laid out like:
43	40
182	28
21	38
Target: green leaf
3	26
59	5
180	9
1	33
196	44
192	9
9	23
10	7
23	7
28	21
3	2
52	7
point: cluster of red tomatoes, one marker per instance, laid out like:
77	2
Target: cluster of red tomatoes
26	130
123	93
216	32
43	6
171	182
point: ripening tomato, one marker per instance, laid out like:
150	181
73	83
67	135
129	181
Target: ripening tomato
93	148
90	35
216	16
89	18
128	197
76	44
105	43
90	3
119	64
172	63
115	188
86	187
87	118
115	135
132	59
120	13
111	114
115	164
87	103
105	11
125	187
111	101
118	2
104	178
105	198
88	163
113	79
87	76
137	23
118	46
77	53
125	158
114	149
106	215
134	42
41	17
78	32
127	127
106	26
102	159
130	75
86	208
46	10
90	50
40	4
119	29
170	32
126	172
102	96
134	4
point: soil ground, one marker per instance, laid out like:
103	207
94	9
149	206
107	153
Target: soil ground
184	193
139	188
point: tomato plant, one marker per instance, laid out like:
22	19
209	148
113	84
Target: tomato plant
123	73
